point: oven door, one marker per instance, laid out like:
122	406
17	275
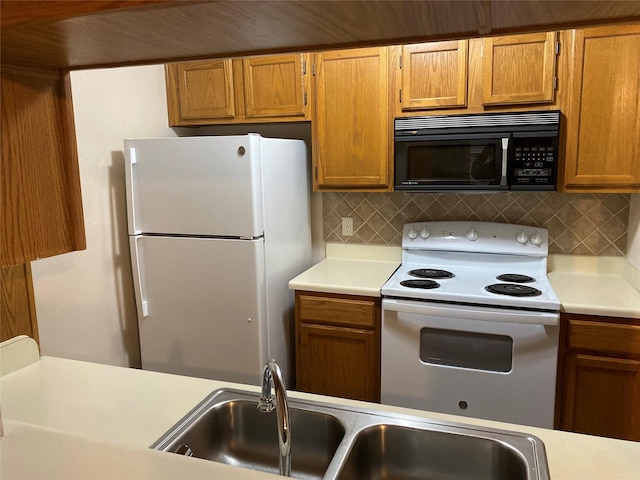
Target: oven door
451	162
482	362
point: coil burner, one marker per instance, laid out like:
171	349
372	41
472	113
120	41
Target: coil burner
431	273
513	289
426	284
515	278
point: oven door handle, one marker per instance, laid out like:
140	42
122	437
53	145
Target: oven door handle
487	314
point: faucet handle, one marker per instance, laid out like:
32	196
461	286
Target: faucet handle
184	449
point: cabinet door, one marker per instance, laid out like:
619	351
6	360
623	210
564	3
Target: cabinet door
202	90
519	69
434	75
274	86
602	396
333	361
603	117
40	180
352	130
17	306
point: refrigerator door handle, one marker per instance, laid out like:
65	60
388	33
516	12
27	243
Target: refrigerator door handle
130	161
141	303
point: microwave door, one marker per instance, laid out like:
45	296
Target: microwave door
451	162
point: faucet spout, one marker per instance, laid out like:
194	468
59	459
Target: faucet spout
272	378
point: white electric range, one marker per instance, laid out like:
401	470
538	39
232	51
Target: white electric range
470	323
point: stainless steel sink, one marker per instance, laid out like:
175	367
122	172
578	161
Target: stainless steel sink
336	442
391	451
227	427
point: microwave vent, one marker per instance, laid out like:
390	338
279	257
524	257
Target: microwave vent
478	120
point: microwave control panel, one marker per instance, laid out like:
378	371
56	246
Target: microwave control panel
533	164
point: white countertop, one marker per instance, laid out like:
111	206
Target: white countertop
350	269
70	419
608	286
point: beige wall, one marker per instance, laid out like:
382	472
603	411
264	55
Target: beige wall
84	300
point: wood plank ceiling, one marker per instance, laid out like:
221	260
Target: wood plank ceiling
71	34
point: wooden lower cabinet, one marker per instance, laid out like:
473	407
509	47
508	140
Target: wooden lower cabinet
17	303
338	345
600	376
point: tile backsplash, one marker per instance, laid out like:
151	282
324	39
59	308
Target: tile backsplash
580	224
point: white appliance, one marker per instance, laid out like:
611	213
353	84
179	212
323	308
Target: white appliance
217	227
470	323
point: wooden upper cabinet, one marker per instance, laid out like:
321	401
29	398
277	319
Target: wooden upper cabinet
511	73
40	182
519	69
603	110
274	86
205	90
434	75
243	90
352	131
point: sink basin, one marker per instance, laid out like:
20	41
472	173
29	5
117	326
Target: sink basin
391	451
233	431
335	442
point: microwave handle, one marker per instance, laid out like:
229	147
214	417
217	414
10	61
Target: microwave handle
505	154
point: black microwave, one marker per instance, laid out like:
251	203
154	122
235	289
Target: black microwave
485	151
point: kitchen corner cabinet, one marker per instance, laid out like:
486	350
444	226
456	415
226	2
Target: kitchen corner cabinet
603	110
352	131
338	345
270	88
599	378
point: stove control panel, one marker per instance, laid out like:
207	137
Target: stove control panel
482	237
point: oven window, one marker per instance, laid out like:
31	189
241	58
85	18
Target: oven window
453	163
477	351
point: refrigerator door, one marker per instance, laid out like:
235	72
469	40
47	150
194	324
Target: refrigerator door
208	186
201	306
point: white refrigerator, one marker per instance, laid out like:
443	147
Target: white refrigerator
217	228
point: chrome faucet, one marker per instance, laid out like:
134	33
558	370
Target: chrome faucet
272	378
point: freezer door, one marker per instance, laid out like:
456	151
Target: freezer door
201	306
194	186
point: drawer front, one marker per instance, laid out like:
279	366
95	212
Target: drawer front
604	337
337	310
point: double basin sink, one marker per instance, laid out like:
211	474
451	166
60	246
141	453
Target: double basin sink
336	442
